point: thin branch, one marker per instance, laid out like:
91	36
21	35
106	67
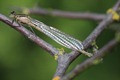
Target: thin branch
64	60
67	14
97	31
100	27
87	42
89	62
49	48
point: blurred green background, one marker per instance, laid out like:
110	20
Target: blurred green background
21	59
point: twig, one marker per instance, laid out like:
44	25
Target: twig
72	15
67	14
49	48
97	31
64	60
100	27
89	62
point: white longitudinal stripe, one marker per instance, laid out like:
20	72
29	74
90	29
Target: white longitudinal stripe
60	37
56	38
76	43
55	34
66	40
